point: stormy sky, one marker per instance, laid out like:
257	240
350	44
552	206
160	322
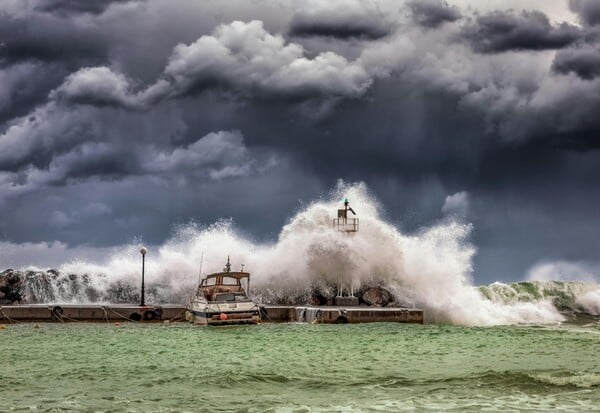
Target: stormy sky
122	120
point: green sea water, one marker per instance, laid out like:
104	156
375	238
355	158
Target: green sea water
83	367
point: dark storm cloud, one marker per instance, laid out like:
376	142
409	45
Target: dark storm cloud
37	51
151	208
85	161
157	113
347	20
52	130
433	13
584	61
529	30
25	85
346	30
216	156
68	7
558	114
36	138
588	10
47	38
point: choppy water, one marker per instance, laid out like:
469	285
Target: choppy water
298	368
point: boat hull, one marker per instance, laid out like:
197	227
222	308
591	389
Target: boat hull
223	314
222	300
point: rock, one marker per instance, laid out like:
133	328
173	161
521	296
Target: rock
319	296
376	296
11	287
121	292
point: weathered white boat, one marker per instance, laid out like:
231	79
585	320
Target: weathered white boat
221	300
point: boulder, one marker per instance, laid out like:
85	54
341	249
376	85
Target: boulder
11	287
376	296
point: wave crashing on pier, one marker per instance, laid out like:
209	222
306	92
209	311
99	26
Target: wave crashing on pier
431	269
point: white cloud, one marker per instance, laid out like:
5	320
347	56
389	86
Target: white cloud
245	56
240	57
98	86
219	154
456	204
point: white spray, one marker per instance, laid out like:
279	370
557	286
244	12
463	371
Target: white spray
431	269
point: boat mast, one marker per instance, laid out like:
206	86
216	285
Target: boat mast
200	272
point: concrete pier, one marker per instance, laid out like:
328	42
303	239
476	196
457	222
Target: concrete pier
340	314
90	312
170	312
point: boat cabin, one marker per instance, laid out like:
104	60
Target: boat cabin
224	286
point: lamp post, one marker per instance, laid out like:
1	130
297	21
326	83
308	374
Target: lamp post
143	251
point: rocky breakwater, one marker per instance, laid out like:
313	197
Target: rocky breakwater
32	286
51	286
366	295
11	287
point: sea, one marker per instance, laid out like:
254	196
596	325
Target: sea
505	346
382	367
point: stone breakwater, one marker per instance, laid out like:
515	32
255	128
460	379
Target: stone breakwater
52	286
34	286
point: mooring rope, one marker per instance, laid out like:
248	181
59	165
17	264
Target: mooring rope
59	317
105	314
177	315
261	311
10	320
105	310
121	315
68	318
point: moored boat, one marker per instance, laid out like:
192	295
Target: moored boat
221	299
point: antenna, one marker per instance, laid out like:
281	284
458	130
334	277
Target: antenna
227	266
200	272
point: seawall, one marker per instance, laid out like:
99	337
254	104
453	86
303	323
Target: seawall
173	313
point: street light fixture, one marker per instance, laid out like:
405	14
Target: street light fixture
143	251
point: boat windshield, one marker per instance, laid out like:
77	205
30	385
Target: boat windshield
230	281
220	279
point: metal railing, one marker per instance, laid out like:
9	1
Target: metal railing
345	224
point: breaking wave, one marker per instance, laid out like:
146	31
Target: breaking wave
568	379
564	296
431	269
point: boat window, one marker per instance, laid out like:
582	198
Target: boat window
209	281
230	281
